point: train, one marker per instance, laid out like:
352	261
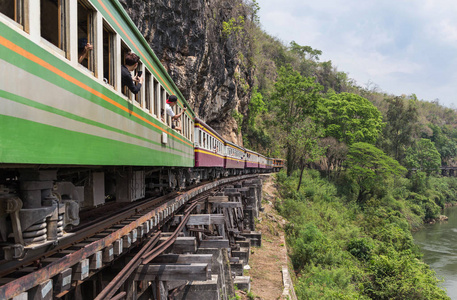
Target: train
73	138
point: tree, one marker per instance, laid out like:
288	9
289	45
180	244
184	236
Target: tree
335	154
304	142
446	147
401	125
370	168
423	156
351	118
295	98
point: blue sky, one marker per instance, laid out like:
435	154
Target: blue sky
400	47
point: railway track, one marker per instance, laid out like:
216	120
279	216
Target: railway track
89	249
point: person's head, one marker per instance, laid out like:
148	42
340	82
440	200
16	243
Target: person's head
82	42
172	100
131	59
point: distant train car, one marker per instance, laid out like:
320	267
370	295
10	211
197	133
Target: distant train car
252	159
234	158
269	163
209	151
278	164
263	163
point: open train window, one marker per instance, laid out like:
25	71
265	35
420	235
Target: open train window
162	99
147	90
124	50
86	34
13	9
158	110
139	96
54	22
108	55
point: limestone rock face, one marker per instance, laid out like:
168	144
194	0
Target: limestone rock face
208	65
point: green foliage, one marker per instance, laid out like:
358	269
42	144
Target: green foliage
361	248
344	251
351	118
233	27
423	156
401	126
370	168
238	118
400	275
445	144
295	98
256	106
331	283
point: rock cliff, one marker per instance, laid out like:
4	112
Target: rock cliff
208	61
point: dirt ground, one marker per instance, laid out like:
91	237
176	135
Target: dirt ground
266	262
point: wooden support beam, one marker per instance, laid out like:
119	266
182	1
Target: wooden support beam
42	291
63	281
118	247
183	259
186	244
108	254
214	244
203	219
228	204
172	272
218	199
96	261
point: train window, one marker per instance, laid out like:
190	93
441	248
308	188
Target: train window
108	55
86	33
185	126
163	99
124	50
147	91
155	99
13	9
139	96
189	126
53	22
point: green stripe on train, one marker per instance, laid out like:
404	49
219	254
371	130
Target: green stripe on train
23	63
31	103
26	142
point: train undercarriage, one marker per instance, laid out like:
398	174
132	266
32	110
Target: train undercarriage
39	205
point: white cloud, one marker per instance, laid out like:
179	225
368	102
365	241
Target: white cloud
404	46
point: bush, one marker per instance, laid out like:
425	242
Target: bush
360	248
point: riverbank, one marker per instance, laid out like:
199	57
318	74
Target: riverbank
343	248
438	243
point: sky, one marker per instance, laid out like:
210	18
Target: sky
397	46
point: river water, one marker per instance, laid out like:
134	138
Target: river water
438	242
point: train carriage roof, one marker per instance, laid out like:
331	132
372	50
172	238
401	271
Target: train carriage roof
199	123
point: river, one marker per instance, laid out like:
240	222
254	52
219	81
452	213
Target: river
438	242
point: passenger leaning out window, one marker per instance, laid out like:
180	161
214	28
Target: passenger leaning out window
131	63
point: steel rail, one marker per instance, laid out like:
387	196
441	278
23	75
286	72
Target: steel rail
123	275
142	257
147	257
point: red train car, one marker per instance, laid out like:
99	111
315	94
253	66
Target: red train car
252	159
235	156
209	146
263	162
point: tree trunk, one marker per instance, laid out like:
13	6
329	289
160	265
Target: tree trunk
302	167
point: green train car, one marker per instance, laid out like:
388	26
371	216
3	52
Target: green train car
71	136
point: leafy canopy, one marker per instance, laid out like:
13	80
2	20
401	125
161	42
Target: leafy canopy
370	168
351	118
423	156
